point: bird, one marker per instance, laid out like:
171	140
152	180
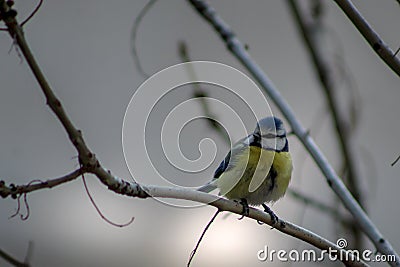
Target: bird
258	168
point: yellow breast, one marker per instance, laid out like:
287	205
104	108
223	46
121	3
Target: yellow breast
257	175
283	167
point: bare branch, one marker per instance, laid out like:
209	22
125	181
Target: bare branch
372	37
307	29
87	158
11	260
395	161
256	214
333	180
15	190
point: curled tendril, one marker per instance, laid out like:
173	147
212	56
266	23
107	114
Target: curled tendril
99	211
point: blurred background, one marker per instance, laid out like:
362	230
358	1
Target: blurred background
85	51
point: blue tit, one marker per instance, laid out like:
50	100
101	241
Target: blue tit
258	168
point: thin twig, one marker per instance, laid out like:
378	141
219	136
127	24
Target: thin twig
333	180
36	184
33	13
7	257
135	28
372	37
99	211
201	237
397	51
29	17
395	161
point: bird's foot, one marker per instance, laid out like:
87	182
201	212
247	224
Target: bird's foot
273	216
246	209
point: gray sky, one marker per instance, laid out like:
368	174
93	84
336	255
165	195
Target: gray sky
84	51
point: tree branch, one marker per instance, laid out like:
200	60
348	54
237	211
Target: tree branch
11	260
333	180
372	37
183	53
256	214
15	190
322	68
87	158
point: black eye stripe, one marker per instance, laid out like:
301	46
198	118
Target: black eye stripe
271	136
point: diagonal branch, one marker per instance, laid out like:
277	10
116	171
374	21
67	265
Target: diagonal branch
372	37
11	260
87	158
307	29
183	53
333	180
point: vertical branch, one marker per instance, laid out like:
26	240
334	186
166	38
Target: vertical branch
307	27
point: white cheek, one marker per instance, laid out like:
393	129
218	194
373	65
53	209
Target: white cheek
280	132
274	143
268	143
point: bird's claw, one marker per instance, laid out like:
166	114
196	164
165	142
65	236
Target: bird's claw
246	209
273	216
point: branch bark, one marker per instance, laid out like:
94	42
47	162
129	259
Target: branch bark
369	34
36	184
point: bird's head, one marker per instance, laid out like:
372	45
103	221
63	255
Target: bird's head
270	134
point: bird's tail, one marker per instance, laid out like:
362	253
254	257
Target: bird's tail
208	187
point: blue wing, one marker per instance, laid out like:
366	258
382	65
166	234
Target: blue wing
237	148
222	166
210	186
